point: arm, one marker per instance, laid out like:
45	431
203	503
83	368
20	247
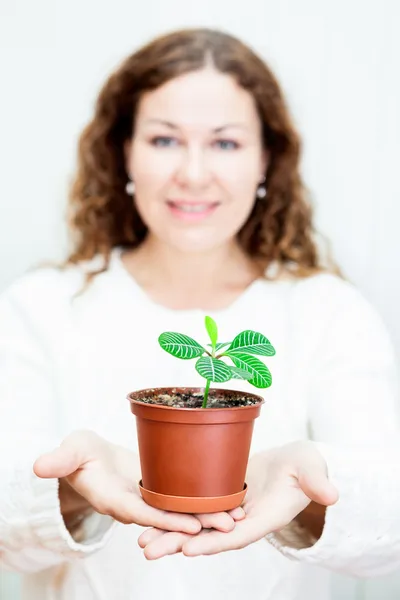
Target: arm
49	489
353	402
30	516
353	399
354	391
361	532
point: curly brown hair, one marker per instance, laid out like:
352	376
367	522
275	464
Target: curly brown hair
102	215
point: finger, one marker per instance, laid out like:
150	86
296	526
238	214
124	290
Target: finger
316	485
221	521
312	474
237	513
150	535
246	532
168	521
169	543
75	450
61	462
129	507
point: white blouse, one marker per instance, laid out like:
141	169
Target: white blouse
67	362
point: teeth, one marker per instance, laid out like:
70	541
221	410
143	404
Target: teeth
193	208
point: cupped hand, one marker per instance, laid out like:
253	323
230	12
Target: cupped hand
281	484
97	475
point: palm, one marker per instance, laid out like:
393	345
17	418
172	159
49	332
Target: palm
275	497
104	476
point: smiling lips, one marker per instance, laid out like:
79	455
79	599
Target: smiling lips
191	211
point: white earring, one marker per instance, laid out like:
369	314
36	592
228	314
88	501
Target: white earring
261	192
130	188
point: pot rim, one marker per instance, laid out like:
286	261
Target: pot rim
261	400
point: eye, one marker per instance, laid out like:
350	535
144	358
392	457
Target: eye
226	144
164	141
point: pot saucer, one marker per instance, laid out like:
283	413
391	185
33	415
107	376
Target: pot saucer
192	504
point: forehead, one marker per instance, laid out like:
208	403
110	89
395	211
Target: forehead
206	97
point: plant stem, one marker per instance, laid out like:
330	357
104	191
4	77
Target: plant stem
204	405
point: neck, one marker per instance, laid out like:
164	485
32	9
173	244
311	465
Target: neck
165	263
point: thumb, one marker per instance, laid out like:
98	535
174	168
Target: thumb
316	485
61	462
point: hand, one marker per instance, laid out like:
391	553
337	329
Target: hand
281	484
97	475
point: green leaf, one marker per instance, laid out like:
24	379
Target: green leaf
180	345
240	373
251	342
220	345
212	330
260	374
213	369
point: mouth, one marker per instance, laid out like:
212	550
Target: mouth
191	210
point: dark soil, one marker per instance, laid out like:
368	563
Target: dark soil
195	400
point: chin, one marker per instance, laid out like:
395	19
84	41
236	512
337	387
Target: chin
194	248
196	242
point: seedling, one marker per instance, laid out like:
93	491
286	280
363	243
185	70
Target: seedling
241	351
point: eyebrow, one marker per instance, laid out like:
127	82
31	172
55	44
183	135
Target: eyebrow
215	130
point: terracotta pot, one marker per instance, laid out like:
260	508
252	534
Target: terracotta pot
193	459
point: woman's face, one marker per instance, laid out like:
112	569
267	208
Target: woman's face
196	157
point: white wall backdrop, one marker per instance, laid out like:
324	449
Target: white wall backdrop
339	63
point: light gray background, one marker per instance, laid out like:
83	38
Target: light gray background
339	64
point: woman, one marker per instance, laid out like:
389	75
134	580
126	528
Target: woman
187	199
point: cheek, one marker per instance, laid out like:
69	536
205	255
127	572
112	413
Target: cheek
151	169
241	167
239	177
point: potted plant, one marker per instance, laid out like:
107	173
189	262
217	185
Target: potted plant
194	443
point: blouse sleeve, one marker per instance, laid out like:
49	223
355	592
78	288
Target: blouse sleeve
32	531
354	394
354	404
361	536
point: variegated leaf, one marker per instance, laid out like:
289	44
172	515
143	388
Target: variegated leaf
260	374
180	345
251	342
212	330
240	373
213	369
220	345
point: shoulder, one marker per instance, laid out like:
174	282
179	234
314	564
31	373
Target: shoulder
42	308
42	304
320	293
326	291
43	286
333	296
51	282
341	310
326	302
46	292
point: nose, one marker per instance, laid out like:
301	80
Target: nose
193	171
